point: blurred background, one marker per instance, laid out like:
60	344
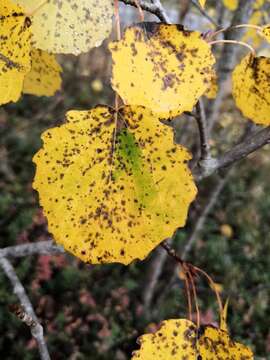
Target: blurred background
97	312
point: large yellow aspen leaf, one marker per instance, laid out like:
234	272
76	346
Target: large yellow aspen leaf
181	340
69	26
162	67
15	63
44	79
231	4
175	340
113	196
251	88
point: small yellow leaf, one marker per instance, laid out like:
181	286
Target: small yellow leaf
226	230
113	197
69	26
181	339
175	340
231	4
266	32
166	68
44	78
202	3
15	37
215	343
251	88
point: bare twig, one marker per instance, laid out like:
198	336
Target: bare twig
19	291
203	131
204	13
155	7
40	247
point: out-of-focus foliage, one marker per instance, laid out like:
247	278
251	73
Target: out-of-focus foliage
231	4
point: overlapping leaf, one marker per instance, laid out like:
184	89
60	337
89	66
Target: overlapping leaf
15	63
44	78
182	340
162	67
113	197
69	26
251	88
213	343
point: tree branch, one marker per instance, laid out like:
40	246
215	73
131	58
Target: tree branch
19	291
203	131
40	247
238	152
204	13
155	8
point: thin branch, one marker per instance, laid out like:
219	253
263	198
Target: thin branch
203	130
204	13
238	152
40	247
19	291
154	8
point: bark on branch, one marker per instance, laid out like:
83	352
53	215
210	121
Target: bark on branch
252	143
19	291
155	7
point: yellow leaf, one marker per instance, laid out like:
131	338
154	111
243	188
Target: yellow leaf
44	78
231	4
113	206
215	343
69	26
181	339
202	3
251	88
175	340
15	36
266	32
162	67
212	91
226	230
